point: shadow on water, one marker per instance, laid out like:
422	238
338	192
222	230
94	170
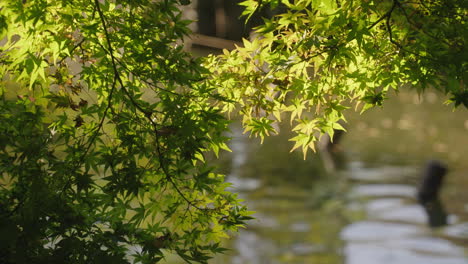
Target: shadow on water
373	209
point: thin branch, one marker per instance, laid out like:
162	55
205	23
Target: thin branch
101	123
411	22
389	27
390	33
114	61
145	81
166	172
73	49
109	101
114	83
379	20
147	114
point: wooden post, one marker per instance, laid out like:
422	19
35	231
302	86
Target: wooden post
428	193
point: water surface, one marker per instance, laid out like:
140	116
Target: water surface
364	210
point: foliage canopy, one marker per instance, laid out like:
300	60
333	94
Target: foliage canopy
323	56
105	119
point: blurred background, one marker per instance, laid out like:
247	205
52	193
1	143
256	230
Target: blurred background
363	209
354	204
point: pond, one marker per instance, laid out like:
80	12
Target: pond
357	205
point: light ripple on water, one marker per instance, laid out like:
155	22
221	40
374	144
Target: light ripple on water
384	173
366	253
243	184
398	190
430	246
410	213
375	231
306	249
300	227
459	231
252	249
380	205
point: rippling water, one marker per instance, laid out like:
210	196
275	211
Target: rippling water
365	211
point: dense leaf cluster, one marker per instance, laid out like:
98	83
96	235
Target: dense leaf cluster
324	56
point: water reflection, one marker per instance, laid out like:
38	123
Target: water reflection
364	210
286	193
383	254
396	229
372	231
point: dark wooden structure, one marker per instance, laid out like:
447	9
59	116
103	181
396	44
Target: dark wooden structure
428	193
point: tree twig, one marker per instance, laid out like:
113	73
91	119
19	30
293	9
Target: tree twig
147	114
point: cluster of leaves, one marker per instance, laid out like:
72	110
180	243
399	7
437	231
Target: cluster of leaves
316	58
105	122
